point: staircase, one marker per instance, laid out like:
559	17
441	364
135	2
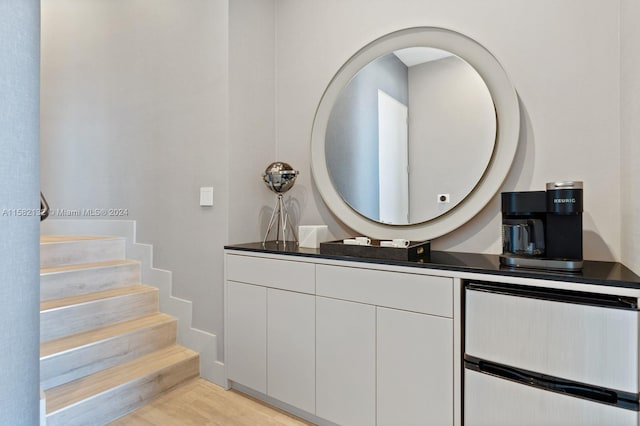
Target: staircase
104	347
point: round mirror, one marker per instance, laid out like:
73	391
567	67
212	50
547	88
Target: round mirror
414	134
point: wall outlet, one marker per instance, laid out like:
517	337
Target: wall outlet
444	198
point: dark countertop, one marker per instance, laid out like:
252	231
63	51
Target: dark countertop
594	272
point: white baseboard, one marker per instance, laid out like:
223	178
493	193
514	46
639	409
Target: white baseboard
198	340
43	408
281	405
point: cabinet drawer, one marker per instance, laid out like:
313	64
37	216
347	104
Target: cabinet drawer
489	400
282	274
411	292
573	341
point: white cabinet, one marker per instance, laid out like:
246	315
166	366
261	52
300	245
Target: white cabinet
408	319
346	362
382	366
357	343
349	345
291	348
246	328
270	333
414	368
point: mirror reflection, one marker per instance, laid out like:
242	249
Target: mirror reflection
410	136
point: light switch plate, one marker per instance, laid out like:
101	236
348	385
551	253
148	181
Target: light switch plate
206	196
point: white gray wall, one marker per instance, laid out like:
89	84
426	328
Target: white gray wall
452	128
252	137
19	191
562	57
630	132
135	99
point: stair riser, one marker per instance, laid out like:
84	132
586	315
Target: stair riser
81	251
76	318
116	402
82	361
70	283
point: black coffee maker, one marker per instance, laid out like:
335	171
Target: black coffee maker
543	229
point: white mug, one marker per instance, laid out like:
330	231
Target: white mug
363	241
400	242
350	242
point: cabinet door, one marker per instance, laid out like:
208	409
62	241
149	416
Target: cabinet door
291	341
414	369
345	362
246	352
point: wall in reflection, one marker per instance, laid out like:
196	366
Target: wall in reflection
352	132
452	128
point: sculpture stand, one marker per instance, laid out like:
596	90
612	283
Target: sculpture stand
280	218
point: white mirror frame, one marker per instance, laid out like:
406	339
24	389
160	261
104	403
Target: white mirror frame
507	114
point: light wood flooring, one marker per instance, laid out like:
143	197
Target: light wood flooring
201	403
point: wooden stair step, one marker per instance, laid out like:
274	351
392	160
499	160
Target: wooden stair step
71	357
75	249
111	393
74	314
65	238
68	280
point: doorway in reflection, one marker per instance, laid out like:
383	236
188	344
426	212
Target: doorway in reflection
393	159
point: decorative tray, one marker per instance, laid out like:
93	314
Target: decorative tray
417	251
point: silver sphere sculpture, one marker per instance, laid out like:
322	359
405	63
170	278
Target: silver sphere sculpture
279	177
